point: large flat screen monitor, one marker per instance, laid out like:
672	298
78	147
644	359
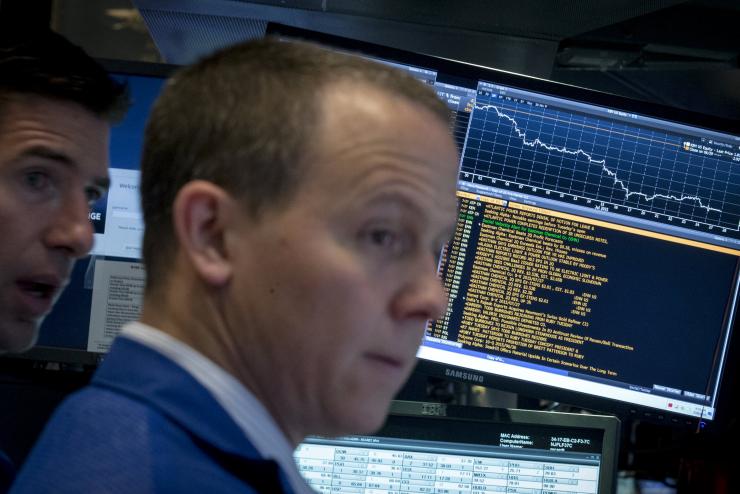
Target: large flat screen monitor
595	259
430	447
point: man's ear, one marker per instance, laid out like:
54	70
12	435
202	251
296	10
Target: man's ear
200	215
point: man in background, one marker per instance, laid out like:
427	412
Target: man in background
56	107
295	203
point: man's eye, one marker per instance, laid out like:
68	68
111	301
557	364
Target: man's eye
383	238
93	195
388	241
36	180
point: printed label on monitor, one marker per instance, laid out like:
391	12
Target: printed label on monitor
118	290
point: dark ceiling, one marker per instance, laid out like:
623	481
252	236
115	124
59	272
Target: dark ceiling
676	52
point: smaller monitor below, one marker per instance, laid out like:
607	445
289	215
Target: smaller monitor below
432	447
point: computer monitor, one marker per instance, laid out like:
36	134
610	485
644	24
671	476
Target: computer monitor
597	248
432	447
106	287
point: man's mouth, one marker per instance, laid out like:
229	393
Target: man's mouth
38	289
36	295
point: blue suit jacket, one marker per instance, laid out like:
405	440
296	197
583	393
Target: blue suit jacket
144	425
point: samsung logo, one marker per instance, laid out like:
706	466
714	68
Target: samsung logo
466	376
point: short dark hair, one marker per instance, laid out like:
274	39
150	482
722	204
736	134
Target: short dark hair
44	63
243	119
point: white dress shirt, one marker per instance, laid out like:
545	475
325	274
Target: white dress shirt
238	402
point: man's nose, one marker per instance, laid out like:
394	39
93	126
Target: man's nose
71	229
424	298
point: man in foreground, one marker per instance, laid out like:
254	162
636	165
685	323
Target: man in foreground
56	106
295	203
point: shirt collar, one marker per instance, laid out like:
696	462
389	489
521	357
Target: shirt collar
239	403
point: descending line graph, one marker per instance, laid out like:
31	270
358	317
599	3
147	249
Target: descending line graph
592	160
515	144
